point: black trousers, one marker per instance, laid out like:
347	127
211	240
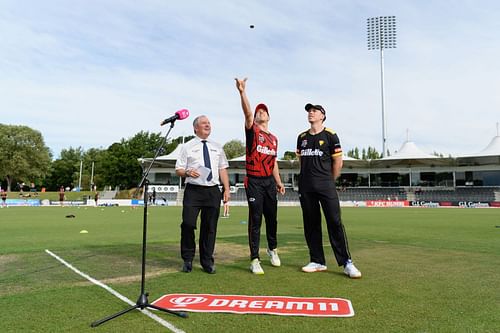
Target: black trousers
262	200
204	199
310	201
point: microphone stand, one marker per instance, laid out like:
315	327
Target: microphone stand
142	301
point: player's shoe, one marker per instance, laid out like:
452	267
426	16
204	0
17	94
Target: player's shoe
351	271
255	267
313	267
275	259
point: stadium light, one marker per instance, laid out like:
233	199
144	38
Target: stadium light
382	35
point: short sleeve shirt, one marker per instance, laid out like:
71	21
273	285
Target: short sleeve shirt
191	157
261	152
316	154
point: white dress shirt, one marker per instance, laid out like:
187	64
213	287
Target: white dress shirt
191	157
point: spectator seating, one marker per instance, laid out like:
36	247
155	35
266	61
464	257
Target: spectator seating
484	194
372	193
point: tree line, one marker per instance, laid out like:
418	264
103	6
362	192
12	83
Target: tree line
365	154
25	160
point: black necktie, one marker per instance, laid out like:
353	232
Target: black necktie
206	158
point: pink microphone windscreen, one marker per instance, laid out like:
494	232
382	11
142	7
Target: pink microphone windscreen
183	114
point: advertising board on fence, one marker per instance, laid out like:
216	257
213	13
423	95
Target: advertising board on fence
424	204
22	202
431	204
460	204
387	203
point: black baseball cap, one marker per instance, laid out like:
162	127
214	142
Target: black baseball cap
317	107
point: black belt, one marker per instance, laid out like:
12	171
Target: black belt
201	186
259	177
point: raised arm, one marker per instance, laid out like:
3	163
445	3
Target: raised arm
245	104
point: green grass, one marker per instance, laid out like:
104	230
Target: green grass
424	270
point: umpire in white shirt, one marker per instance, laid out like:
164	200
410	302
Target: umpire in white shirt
203	163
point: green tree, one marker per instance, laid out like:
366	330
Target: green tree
92	161
65	170
24	157
234	148
172	144
354	153
369	153
435	153
372	153
144	144
120	165
290	156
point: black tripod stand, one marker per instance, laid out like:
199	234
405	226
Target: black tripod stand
142	301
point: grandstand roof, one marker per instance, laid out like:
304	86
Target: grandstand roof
164	160
240	163
488	156
409	150
348	158
492	149
350	162
410	155
239	158
174	155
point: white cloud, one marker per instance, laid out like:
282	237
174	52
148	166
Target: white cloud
88	73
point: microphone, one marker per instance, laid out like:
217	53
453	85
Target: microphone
181	114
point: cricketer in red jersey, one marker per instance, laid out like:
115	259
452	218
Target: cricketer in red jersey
263	180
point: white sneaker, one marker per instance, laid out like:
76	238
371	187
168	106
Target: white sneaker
275	259
313	267
351	271
255	267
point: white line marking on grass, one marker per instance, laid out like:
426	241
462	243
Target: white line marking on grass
117	294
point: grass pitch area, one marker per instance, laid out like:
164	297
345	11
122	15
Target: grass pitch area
424	270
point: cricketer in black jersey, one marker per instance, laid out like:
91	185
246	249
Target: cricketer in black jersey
316	153
320	155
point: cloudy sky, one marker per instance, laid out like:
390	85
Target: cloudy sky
91	72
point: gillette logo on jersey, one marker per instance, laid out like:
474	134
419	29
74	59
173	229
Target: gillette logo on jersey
261	152
266	150
311	152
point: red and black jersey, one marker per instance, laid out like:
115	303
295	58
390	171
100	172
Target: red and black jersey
261	152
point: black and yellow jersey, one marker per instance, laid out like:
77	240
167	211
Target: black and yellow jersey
316	152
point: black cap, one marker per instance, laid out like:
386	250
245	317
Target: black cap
317	107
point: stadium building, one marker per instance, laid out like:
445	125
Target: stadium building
409	177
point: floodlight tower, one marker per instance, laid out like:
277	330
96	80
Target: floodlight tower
382	35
